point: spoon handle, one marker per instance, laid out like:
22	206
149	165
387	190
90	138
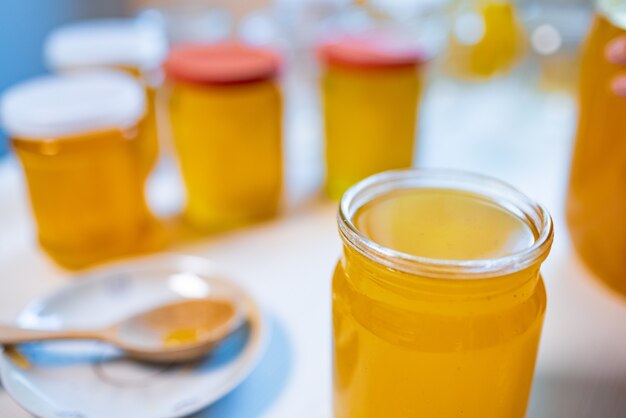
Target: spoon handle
15	335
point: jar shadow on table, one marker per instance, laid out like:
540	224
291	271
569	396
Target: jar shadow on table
257	393
562	395
179	232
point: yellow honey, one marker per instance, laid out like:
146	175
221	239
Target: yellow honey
181	336
438	292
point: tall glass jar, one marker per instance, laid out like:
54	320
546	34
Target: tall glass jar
135	46
371	85
438	303
596	205
226	115
76	138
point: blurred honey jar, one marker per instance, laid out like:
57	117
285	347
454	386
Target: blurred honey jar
225	111
136	46
371	85
596	206
486	39
76	137
555	31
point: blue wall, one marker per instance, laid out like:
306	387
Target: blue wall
24	25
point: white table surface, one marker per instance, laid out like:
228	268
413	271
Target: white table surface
504	129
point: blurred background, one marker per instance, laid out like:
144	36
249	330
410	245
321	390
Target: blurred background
543	54
23	43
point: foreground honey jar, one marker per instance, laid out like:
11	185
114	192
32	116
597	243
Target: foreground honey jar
438	302
225	111
371	86
136	46
76	138
486	39
596	205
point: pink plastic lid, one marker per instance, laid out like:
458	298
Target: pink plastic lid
221	63
370	50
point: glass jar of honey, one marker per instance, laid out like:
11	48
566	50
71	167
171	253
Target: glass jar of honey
486	39
596	204
76	138
371	86
136	46
438	302
225	112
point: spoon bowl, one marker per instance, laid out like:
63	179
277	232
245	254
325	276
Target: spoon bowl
179	331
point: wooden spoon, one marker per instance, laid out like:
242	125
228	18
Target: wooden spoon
181	331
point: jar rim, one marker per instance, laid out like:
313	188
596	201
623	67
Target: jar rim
501	193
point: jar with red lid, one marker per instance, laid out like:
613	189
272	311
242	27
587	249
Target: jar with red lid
371	85
225	111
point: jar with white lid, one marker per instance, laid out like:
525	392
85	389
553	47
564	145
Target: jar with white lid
136	46
76	136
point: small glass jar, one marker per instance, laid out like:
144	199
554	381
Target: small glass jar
371	86
596	205
486	39
76	138
135	46
556	31
225	111
438	303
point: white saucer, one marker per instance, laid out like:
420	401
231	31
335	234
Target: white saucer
92	380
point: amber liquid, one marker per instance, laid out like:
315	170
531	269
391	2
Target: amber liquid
596	206
87	196
229	145
408	345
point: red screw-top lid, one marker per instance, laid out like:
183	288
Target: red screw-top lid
370	50
221	63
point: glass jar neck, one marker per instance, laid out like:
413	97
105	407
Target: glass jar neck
377	281
381	297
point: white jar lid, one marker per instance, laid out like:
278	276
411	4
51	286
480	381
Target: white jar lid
52	107
139	43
